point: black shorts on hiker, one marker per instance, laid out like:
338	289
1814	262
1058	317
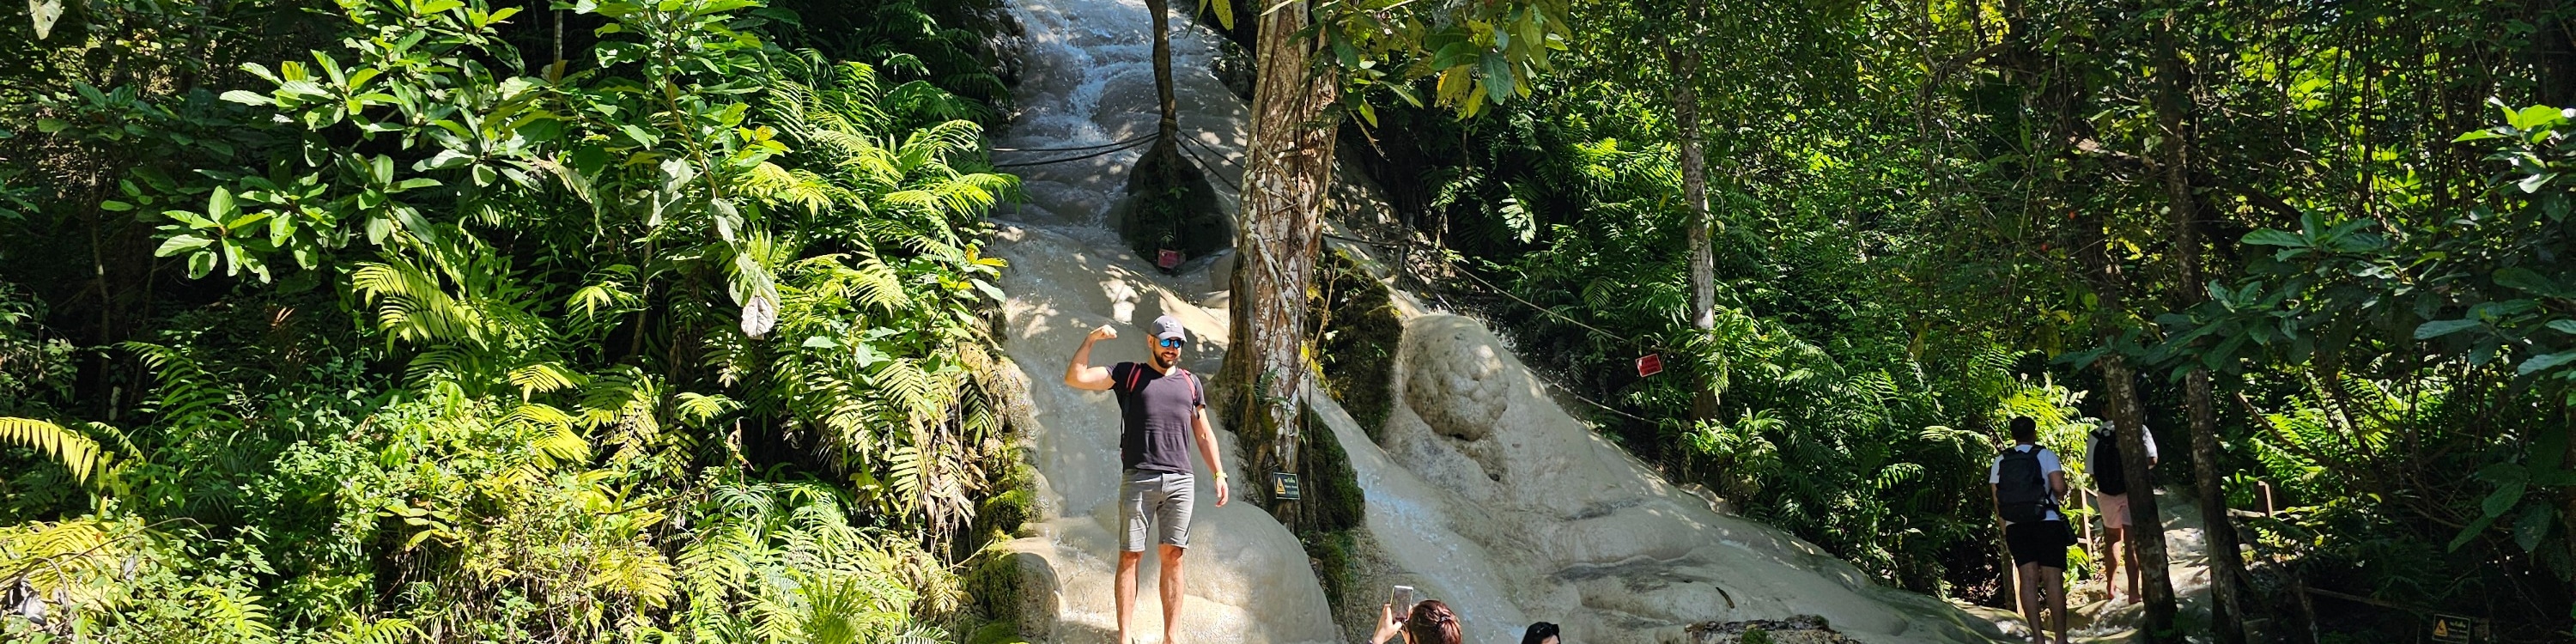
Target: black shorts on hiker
2039	542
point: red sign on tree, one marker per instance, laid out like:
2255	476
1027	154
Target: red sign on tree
1167	259
1652	364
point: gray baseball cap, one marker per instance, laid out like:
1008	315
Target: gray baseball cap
1168	327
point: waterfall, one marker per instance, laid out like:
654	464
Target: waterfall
1484	494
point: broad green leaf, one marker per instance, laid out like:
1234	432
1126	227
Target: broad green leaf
2533	526
201	264
867	354
443	160
2479	135
2439	328
219	206
1224	11
2503	499
2529	281
2270	237
2534	117
2471	531
181	244
2535	182
2544	362
1497	76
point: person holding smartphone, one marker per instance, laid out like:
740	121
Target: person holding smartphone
1162	410
1428	622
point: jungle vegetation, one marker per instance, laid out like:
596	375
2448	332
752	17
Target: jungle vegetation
475	320
2319	247
455	320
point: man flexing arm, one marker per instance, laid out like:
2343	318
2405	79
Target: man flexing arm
1079	374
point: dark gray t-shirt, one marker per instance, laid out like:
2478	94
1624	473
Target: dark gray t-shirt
1155	409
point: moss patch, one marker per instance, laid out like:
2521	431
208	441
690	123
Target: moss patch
992	585
1331	555
1357	333
1333	500
997	633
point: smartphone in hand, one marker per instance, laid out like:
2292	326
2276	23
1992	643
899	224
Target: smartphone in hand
1402	601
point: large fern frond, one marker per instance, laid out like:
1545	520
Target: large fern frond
76	452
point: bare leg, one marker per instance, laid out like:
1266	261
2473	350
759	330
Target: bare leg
2112	550
2056	599
1126	585
2130	555
2030	606
1171	587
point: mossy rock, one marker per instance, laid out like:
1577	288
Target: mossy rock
992	585
1006	513
1335	562
1333	500
1359	331
997	633
1171	206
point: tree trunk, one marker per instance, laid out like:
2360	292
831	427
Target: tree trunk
1285	180
1685	62
2174	110
1170	127
2146	532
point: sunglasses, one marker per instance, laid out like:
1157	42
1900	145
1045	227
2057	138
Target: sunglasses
1170	343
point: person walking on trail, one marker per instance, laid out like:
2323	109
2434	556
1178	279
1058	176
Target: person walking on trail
2111	484
1162	410
2027	482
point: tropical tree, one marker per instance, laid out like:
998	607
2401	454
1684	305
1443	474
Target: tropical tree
1315	63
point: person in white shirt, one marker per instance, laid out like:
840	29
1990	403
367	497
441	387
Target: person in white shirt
2111	486
2027	482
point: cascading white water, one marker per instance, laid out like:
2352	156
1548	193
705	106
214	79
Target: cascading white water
1484	495
1085	80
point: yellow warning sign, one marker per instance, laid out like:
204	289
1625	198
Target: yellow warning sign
2454	629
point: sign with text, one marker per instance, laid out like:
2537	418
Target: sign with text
1283	486
1651	364
2454	629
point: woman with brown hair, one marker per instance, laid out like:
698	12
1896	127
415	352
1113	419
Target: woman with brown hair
1429	622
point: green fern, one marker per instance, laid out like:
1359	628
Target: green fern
75	452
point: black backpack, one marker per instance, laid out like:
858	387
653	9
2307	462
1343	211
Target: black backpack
2109	477
2021	490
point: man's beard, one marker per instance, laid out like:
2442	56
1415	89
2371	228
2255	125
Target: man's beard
1161	362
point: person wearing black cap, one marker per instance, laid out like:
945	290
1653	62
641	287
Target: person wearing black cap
1162	410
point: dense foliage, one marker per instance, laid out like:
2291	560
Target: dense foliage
362	322
1931	217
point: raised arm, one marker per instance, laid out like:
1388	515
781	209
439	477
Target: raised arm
1080	374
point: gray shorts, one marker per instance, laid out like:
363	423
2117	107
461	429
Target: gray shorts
1164	497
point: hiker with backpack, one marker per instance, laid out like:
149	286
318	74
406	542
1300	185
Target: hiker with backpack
1163	414
2111	486
2027	482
